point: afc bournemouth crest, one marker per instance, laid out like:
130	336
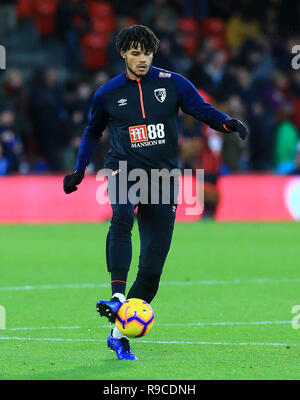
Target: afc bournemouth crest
160	94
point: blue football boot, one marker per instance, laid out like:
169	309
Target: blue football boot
109	308
121	347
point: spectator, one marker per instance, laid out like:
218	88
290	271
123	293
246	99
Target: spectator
3	162
190	140
286	143
242	25
204	51
15	94
201	147
244	86
129	9
255	54
49	117
296	171
210	159
83	98
192	8
235	151
275	91
295	97
170	54
10	145
100	78
213	73
72	21
74	132
262	125
150	16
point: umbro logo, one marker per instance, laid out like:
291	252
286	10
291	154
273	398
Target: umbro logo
122	102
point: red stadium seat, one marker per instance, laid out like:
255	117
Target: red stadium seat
215	29
190	29
45	7
219	42
24	8
132	21
105	26
93	48
188	25
44	16
296	112
100	10
213	26
190	44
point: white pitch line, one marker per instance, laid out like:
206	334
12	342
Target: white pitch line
63	286
50	339
220	343
40	328
201	324
232	282
153	341
179	283
227	323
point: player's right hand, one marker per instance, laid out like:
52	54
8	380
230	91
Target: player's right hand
72	180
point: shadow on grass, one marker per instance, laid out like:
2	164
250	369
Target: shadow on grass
108	369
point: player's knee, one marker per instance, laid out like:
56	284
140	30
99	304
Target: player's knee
123	217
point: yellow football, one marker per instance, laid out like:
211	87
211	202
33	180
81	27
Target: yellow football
135	318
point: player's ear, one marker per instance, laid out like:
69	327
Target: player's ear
123	54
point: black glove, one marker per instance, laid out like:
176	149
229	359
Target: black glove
236	125
71	181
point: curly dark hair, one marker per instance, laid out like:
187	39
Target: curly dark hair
134	35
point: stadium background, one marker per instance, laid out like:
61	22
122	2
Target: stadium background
229	291
238	55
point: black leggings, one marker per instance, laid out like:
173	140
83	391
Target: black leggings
156	224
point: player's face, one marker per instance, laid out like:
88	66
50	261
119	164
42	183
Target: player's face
138	61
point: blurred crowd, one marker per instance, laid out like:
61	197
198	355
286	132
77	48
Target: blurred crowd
237	53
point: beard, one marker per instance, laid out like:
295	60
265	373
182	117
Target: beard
137	74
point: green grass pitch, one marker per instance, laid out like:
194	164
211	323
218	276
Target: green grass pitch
223	310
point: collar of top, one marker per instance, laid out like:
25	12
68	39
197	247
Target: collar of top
143	78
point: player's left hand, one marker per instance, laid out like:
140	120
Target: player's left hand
236	125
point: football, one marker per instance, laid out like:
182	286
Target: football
135	318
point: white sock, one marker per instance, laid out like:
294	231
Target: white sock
117	334
120	296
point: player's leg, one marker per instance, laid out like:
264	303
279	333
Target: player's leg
156	224
118	258
118	244
119	247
